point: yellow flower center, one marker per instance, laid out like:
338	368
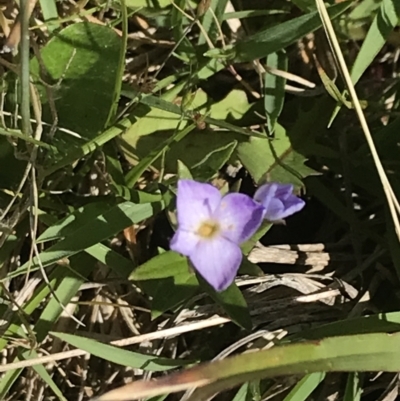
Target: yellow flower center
208	229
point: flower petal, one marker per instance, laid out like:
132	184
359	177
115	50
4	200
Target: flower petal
266	193
217	261
275	210
195	203
292	205
239	217
284	191
184	242
278	200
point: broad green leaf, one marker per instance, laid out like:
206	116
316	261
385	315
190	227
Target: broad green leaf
183	172
167	264
91	233
150	363
363	352
231	301
71	223
135	173
282	35
273	159
154	132
82	62
213	162
168	278
364	9
116	262
236	98
170	292
74	153
249	268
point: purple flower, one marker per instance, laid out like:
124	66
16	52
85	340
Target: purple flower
211	227
278	200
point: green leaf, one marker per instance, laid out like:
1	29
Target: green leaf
364	9
274	88
363	352
91	233
170	292
82	61
10	177
119	74
73	153
167	264
210	20
353	390
49	11
119	264
384	22
136	172
44	374
183	171
154	133
250	13
280	36
249	268
71	223
167	278
232	302
241	395
249	244
150	363
382	322
67	285
147	3
274	158
303	389
8	246
213	162
7	381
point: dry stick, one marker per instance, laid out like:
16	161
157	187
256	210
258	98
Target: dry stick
120	343
230	67
390	196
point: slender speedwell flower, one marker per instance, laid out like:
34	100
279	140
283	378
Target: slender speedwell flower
211	228
278	200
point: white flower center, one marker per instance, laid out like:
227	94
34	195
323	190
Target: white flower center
208	229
